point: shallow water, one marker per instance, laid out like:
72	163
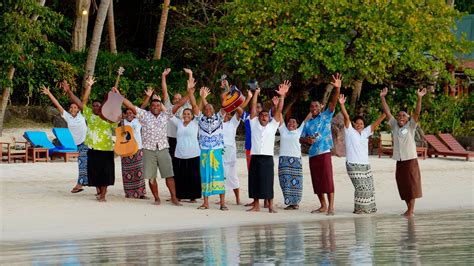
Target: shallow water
444	238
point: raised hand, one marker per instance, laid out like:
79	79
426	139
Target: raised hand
166	72
90	81
149	91
204	92
275	100
45	90
188	71
114	89
283	88
337	80
421	92
342	99
384	92
65	85
257	91
191	85
249	94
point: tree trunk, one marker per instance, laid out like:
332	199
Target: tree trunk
95	42
111	28
79	35
450	2
6	96
161	31
327	94
356	90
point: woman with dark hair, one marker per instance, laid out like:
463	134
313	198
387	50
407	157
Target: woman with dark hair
290	168
77	125
357	159
187	152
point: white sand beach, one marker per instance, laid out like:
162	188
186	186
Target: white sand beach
36	203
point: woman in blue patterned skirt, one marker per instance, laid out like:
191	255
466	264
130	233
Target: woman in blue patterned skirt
290	169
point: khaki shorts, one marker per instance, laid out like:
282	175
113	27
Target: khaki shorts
154	159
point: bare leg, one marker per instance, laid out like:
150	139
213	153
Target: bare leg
205	205
265	203
270	206
323	207
331	203
103	192
237	196
222	202
256	206
410	208
172	188
154	190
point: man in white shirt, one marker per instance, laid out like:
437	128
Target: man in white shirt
263	142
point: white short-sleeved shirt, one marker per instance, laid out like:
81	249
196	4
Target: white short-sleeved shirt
77	125
171	129
137	131
230	129
187	144
290	141
263	137
404	145
357	145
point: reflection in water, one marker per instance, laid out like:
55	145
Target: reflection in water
362	252
435	239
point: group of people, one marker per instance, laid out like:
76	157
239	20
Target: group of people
194	148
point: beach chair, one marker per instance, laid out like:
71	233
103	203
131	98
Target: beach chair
41	147
13	150
385	144
454	145
68	146
440	149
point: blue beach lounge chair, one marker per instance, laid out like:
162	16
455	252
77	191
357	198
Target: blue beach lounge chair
68	146
40	143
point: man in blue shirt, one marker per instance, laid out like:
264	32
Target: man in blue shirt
317	133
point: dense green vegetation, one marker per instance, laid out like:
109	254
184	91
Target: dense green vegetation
400	44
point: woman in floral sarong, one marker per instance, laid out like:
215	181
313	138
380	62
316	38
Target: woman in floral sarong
211	142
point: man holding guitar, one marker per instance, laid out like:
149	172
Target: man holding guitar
155	146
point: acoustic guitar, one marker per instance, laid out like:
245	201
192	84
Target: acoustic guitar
111	108
125	143
233	98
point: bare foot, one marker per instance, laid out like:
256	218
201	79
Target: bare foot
330	213
254	209
176	202
157	201
271	210
320	210
203	207
408	214
238	203
101	200
250	204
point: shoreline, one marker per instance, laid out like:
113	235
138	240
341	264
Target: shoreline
36	205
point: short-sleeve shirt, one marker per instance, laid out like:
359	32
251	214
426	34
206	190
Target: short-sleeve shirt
99	133
187	145
230	129
211	131
319	128
290	141
137	131
154	129
263	137
357	145
171	130
404	145
77	125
